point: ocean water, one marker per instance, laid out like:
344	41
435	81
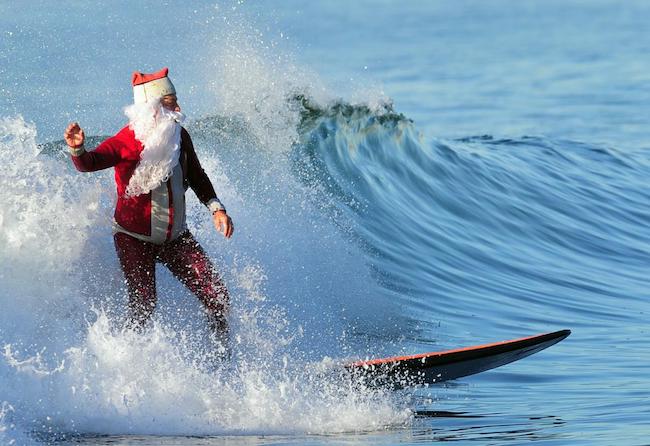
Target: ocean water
403	178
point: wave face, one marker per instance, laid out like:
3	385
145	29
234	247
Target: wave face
527	232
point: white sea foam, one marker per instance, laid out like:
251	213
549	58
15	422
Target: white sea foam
5	425
253	79
68	367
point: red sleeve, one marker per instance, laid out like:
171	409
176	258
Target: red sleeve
106	155
197	178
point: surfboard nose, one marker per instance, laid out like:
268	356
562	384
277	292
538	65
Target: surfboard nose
436	367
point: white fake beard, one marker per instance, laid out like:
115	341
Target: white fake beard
159	131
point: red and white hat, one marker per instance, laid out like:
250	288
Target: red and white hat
147	87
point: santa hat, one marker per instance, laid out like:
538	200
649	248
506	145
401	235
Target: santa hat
147	87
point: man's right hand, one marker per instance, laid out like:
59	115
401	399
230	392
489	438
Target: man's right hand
74	135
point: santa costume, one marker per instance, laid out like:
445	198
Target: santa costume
155	163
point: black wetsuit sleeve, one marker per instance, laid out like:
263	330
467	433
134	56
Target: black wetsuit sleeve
197	178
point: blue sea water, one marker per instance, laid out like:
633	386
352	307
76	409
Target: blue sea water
404	177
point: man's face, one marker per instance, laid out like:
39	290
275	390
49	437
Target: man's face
170	102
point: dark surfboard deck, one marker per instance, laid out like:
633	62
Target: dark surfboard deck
436	367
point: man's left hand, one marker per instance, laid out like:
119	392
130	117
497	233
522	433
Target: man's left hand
223	223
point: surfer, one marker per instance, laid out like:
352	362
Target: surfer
155	163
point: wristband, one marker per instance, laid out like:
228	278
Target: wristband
215	206
76	151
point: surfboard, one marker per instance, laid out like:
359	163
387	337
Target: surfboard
436	367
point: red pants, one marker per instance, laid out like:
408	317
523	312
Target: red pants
185	258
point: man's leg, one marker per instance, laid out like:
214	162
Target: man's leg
188	262
137	259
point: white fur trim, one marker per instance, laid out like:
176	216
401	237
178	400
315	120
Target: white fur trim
152	90
76	151
215	205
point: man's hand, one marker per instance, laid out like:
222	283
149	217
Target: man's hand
74	135
223	223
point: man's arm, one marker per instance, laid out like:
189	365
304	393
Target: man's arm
202	187
106	155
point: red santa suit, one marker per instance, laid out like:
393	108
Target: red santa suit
151	227
158	216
